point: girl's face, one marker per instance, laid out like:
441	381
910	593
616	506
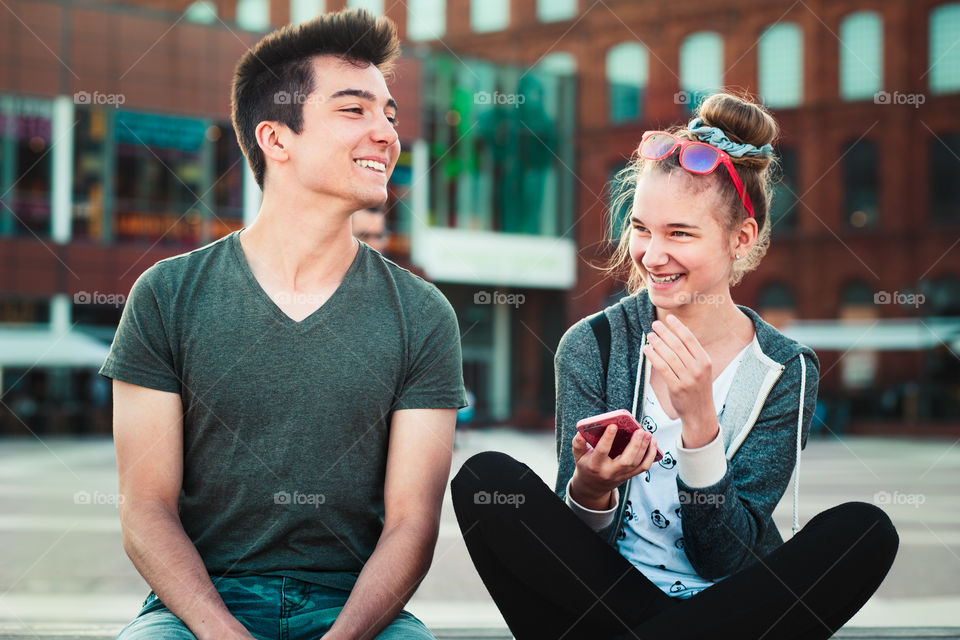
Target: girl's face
677	242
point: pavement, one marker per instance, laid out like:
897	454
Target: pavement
61	561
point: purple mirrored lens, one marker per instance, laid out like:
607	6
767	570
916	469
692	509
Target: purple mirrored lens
657	146
699	157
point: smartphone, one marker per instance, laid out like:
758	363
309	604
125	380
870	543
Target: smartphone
592	429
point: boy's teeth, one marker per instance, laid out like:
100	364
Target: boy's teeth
371	164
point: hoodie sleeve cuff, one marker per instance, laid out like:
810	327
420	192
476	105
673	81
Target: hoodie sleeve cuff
596	520
701	467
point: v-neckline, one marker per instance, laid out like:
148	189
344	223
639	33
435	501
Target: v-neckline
275	309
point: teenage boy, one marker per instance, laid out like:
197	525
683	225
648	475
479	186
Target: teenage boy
285	398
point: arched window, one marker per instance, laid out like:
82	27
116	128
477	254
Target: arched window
554	10
780	65
253	15
303	10
489	15
861	55
775	303
701	67
201	12
373	6
426	19
626	81
944	64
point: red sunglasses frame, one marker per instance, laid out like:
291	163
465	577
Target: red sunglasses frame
721	158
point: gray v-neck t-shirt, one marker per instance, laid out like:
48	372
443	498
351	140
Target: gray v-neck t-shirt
286	423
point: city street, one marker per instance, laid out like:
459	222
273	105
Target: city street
62	561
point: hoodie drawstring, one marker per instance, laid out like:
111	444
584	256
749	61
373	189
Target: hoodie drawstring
796	477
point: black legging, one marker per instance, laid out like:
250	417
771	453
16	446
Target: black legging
553	577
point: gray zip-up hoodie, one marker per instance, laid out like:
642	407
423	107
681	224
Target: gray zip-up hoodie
763	425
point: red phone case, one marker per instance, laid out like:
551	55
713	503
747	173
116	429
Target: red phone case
592	429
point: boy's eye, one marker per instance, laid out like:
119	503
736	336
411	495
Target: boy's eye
353	109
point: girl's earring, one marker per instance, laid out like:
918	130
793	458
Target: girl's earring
738	256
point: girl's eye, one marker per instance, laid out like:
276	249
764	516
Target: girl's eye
639	229
682	233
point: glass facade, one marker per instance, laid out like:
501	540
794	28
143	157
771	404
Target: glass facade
501	147
25	166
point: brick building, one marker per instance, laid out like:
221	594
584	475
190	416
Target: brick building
867	94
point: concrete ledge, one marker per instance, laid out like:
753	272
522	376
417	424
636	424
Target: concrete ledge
62	631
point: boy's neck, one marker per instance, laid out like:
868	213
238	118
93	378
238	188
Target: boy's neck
300	246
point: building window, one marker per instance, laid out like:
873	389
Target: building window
554	10
857	294
944	51
489	15
780	61
783	207
426	19
164	170
303	10
26	165
626	81
373	6
944	169
92	188
945	298
861	55
701	68
775	303
253	15
500	139
861	202
201	12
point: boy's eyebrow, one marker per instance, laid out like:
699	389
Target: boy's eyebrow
671	225
363	94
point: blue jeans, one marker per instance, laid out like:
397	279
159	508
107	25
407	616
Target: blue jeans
271	608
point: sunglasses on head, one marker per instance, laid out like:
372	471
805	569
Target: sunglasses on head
696	157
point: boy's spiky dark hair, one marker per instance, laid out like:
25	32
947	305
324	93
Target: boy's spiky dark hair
272	80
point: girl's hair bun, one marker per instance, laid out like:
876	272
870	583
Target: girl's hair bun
742	121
